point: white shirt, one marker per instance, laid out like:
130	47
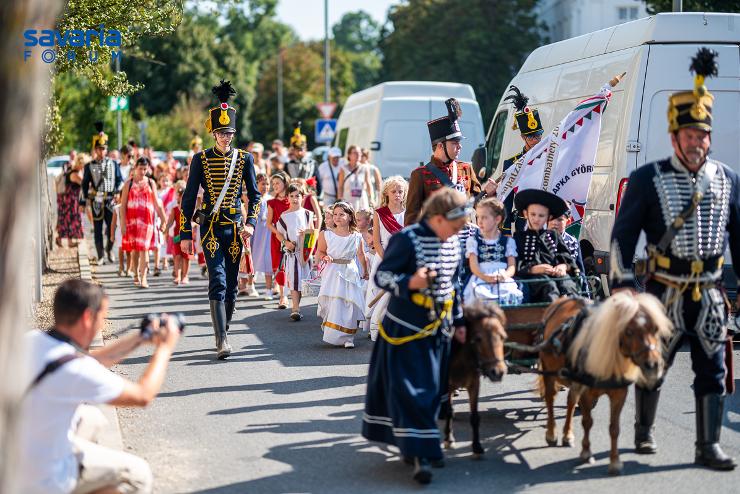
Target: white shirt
47	461
329	185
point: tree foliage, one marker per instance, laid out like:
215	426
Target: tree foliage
479	42
656	6
303	87
357	32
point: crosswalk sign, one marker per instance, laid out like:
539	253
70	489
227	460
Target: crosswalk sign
325	130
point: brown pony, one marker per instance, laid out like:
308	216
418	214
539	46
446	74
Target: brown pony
618	343
481	354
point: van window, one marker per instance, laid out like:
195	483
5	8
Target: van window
342	139
495	139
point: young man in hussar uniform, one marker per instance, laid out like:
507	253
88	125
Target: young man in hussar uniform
221	171
527	120
101	182
443	170
688	206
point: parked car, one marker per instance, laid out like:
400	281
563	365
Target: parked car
391	119
55	165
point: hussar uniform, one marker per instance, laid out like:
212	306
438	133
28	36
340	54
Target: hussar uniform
688	218
101	181
527	121
219	228
428	178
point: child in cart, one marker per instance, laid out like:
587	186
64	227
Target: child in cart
543	257
492	258
558	224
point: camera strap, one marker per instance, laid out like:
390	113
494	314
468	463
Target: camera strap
55	364
221	196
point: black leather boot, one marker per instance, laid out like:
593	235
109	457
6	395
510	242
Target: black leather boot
218	318
646	407
422	471
230	306
709	411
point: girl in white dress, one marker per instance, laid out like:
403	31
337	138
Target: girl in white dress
387	220
291	227
492	258
341	301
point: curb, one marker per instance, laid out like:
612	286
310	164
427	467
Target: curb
110	436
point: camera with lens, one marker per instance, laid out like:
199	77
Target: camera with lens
147	331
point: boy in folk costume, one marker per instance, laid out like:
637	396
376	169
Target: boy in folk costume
293	227
408	374
221	171
341	297
689	208
542	254
387	220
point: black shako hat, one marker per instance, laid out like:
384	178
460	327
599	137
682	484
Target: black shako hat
446	128
553	203
694	108
526	119
222	117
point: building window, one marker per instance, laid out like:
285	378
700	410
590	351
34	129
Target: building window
627	13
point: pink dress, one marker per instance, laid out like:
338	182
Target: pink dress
139	218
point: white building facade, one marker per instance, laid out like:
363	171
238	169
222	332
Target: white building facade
569	18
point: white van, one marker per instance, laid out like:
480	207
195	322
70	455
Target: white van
390	119
656	53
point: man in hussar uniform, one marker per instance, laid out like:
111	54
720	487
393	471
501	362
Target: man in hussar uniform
443	170
221	171
688	206
101	181
527	121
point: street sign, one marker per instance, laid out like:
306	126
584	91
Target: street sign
117	103
326	110
325	130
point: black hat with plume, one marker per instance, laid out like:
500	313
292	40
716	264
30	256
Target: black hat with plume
446	128
527	120
222	117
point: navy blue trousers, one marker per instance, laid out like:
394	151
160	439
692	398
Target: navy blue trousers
709	370
223	264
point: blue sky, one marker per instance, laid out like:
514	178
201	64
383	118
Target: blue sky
307	16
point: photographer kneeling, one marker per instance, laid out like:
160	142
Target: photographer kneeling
58	427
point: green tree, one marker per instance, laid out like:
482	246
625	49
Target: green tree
656	6
358	34
479	42
303	87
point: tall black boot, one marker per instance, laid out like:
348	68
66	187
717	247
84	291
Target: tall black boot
230	306
646	407
709	411
218	317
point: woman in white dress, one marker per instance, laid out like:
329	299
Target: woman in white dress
291	227
387	220
354	181
341	297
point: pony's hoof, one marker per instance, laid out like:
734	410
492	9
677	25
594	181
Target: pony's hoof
586	457
568	441
551	441
615	468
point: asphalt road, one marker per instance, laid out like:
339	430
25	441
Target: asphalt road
283	414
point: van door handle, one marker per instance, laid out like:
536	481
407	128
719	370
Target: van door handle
375	146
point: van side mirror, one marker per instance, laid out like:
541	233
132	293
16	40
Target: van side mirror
480	158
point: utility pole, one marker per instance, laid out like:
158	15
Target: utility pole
327	74
118	113
280	116
678	5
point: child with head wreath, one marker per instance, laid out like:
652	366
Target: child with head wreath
341	297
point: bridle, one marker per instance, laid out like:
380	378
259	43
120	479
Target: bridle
634	355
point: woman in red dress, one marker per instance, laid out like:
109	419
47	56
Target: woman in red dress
275	208
138	206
